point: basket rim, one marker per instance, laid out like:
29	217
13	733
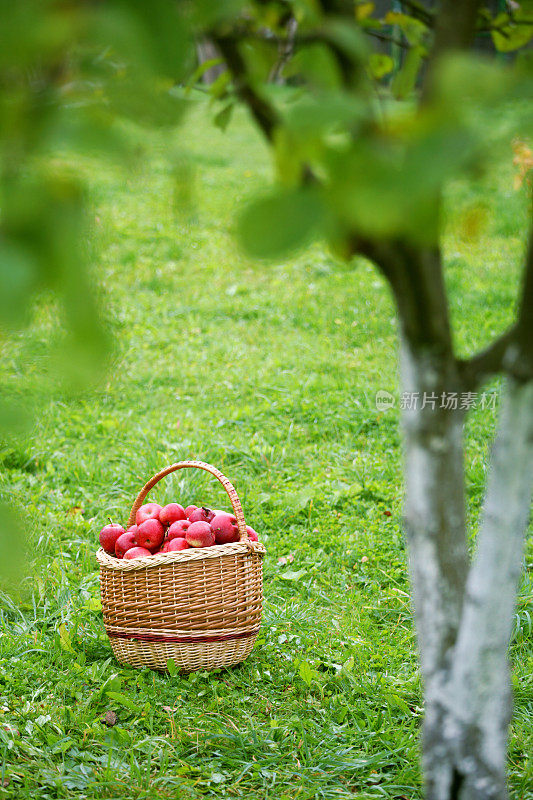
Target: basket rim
193	554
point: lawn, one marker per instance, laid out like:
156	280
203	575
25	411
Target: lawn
270	373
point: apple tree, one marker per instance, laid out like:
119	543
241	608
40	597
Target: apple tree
367	169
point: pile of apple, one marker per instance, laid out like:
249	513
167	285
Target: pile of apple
165	529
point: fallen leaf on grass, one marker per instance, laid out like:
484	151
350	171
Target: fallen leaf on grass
286	559
74	510
292	576
109	719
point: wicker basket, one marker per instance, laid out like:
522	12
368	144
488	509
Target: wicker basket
201	607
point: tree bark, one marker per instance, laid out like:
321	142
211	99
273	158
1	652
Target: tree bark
479	691
434	522
463	616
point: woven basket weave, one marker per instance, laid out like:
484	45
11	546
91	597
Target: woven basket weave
201	607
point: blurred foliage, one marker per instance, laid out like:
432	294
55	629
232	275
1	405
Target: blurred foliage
68	73
355	154
377	158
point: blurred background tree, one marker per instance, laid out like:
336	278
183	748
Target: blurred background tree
383	104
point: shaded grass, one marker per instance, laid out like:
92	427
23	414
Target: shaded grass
270	373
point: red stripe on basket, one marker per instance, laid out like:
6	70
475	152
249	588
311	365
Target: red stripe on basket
154	637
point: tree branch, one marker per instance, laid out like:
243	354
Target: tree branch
455	28
455	25
512	352
525	311
475	370
416	279
384	37
419	11
264	114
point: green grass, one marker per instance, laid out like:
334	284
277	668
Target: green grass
268	372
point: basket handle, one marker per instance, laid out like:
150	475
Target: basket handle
232	494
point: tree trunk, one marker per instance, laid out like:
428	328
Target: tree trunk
479	690
463	616
434	521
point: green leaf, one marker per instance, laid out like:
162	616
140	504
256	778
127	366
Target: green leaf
317	65
208	14
219	86
112	684
404	81
395	701
64	639
379	65
509	35
202	68
280	222
299	500
464	80
363	10
348	37
308	674
171	666
292	575
94	604
154	36
343	490
413	29
222	119
19	278
348	664
138	97
118	697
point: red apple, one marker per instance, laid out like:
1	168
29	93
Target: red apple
137	552
148	511
225	528
109	535
171	513
150	534
252	535
178	529
201	515
189	510
124	542
200	535
176	544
